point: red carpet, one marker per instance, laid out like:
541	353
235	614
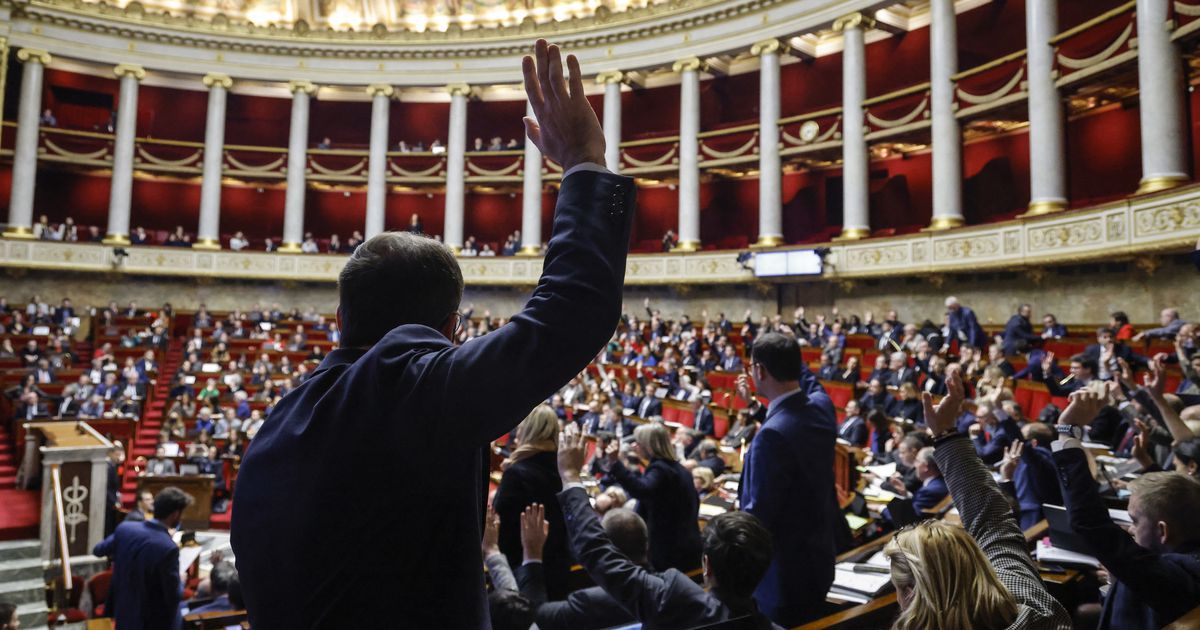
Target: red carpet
20	513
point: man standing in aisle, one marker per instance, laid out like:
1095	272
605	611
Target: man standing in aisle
344	437
787	482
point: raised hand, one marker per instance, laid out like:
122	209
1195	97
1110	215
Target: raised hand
944	416
534	530
1139	451
1085	404
570	456
491	533
1012	457
565	128
1154	381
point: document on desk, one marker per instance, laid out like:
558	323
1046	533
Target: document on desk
1047	552
859	579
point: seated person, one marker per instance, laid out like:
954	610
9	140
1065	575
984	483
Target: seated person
854	428
877	397
932	487
708	455
997	584
226	590
737	551
1155	574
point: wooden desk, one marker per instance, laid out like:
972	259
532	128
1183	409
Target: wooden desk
876	613
200	487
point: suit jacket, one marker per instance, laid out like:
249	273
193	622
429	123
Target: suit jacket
350	419
145	589
1035	483
854	430
534	480
648	407
668	599
586	609
667	500
787	482
1121	351
901	376
992	451
1150	589
1018	334
963	321
705	423
930	494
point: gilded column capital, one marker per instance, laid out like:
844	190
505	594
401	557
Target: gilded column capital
767	47
610	76
308	87
459	89
34	54
377	89
691	64
130	70
854	20
214	79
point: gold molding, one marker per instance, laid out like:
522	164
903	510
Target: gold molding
1156	184
376	89
857	20
210	244
767	47
34	54
308	87
123	70
852	234
1038	208
686	247
768	240
945	223
691	64
289	248
459	89
610	76
214	79
119	240
530	250
19	232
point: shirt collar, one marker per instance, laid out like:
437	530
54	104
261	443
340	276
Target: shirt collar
780	399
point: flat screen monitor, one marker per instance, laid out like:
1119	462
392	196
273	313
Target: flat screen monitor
800	262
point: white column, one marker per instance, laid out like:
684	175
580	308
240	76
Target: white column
770	172
120	196
1047	155
297	165
612	81
531	198
24	174
381	96
946	134
208	236
1161	100
856	192
689	154
456	166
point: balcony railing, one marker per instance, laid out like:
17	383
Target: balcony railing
1096	45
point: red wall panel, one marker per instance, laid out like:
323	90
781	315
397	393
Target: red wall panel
1105	156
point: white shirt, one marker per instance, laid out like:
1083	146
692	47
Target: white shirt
238	244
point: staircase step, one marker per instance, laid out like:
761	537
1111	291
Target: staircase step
17	570
33	615
20	549
23	591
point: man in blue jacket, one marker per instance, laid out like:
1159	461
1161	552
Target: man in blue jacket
346	436
1155	574
787	482
146	588
963	326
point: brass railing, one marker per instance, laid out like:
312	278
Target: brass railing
60	525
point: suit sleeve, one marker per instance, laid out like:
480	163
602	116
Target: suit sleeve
531	581
170	587
764	476
568	319
1156	581
987	515
500	573
106	548
638	486
637	590
993	451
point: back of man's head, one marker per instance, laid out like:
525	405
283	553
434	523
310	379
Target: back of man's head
510	610
170	500
397	278
221	576
1174	499
738	549
779	355
628	532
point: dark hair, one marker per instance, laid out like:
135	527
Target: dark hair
235	592
779	355
170	500
739	551
1188	452
878	419
1120	317
1087	362
396	278
628	532
1105	330
220	577
510	610
7	612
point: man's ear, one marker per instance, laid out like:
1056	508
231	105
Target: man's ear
1163	532
338	317
450	327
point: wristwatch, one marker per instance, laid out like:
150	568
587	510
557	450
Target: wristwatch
1069	430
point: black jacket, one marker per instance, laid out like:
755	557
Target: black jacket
667	500
534	480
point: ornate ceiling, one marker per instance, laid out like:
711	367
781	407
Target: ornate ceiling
394	15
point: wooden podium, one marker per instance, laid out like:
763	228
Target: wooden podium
200	487
79	456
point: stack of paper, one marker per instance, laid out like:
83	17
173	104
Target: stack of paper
1049	553
861	582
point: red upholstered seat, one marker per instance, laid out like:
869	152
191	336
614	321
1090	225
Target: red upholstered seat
839	393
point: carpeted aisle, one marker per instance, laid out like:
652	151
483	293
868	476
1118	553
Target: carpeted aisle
20	513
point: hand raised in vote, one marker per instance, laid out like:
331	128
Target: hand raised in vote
564	127
534	529
491	533
944	416
1085	404
570	456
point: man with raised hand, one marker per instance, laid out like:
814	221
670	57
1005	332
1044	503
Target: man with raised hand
345	436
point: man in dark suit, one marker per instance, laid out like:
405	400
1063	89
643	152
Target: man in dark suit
964	326
397	373
737	551
854	428
1107	350
650	405
1018	332
708	455
145	583
1004	431
900	372
730	362
1083	371
787	482
705	422
1155	574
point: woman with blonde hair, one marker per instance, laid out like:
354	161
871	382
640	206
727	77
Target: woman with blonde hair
666	498
531	476
977	576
